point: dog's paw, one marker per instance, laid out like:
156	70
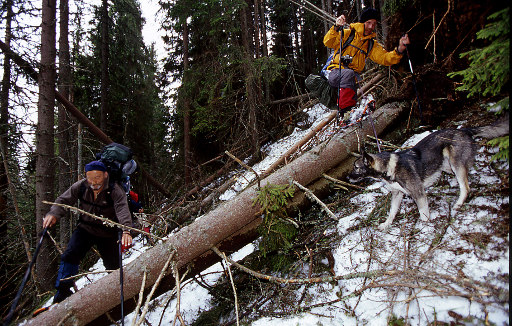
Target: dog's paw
384	227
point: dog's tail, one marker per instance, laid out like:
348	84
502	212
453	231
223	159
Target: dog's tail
497	129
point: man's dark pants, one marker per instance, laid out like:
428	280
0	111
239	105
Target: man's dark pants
80	243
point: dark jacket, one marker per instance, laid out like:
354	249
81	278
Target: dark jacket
116	209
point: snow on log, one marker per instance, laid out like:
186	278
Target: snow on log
230	226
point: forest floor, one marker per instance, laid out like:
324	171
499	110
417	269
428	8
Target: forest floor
452	270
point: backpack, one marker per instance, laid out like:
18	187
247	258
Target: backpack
343	47
120	165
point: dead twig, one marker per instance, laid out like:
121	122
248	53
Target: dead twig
105	220
85	274
312	196
157	282
324	279
141	295
234	289
178	296
340	182
245	166
440	22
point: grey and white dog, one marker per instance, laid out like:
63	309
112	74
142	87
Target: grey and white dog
411	171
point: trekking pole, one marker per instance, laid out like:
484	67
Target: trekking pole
414	83
339	63
121	274
25	279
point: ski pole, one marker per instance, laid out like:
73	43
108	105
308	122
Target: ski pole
414	83
121	274
25	279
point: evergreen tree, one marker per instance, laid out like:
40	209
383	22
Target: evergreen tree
137	116
489	68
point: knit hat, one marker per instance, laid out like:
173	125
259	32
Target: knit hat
95	166
369	13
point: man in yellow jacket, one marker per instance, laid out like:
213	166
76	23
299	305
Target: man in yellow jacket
346	77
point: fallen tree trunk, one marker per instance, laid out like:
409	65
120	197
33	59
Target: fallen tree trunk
231	225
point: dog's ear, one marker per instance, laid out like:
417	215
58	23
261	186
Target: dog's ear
367	159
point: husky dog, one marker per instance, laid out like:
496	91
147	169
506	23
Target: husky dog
411	171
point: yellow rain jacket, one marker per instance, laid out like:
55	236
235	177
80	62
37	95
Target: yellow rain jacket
378	54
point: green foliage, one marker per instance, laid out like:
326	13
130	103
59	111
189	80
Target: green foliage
276	230
136	114
397	321
503	144
391	7
488	70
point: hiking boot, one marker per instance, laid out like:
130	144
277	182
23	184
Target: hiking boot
371	105
62	294
343	123
344	117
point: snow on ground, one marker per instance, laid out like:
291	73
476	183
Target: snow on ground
441	246
274	151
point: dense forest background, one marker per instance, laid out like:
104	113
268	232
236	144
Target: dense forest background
232	80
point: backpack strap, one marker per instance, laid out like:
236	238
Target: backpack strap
370	47
344	45
348	41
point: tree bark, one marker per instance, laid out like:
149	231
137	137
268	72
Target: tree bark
4	131
250	102
45	164
65	134
186	115
104	67
234	220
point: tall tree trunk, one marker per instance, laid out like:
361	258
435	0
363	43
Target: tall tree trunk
249	85
256	29
45	165
384	22
4	136
186	107
65	135
105	110
265	46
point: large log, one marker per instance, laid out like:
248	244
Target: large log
230	225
